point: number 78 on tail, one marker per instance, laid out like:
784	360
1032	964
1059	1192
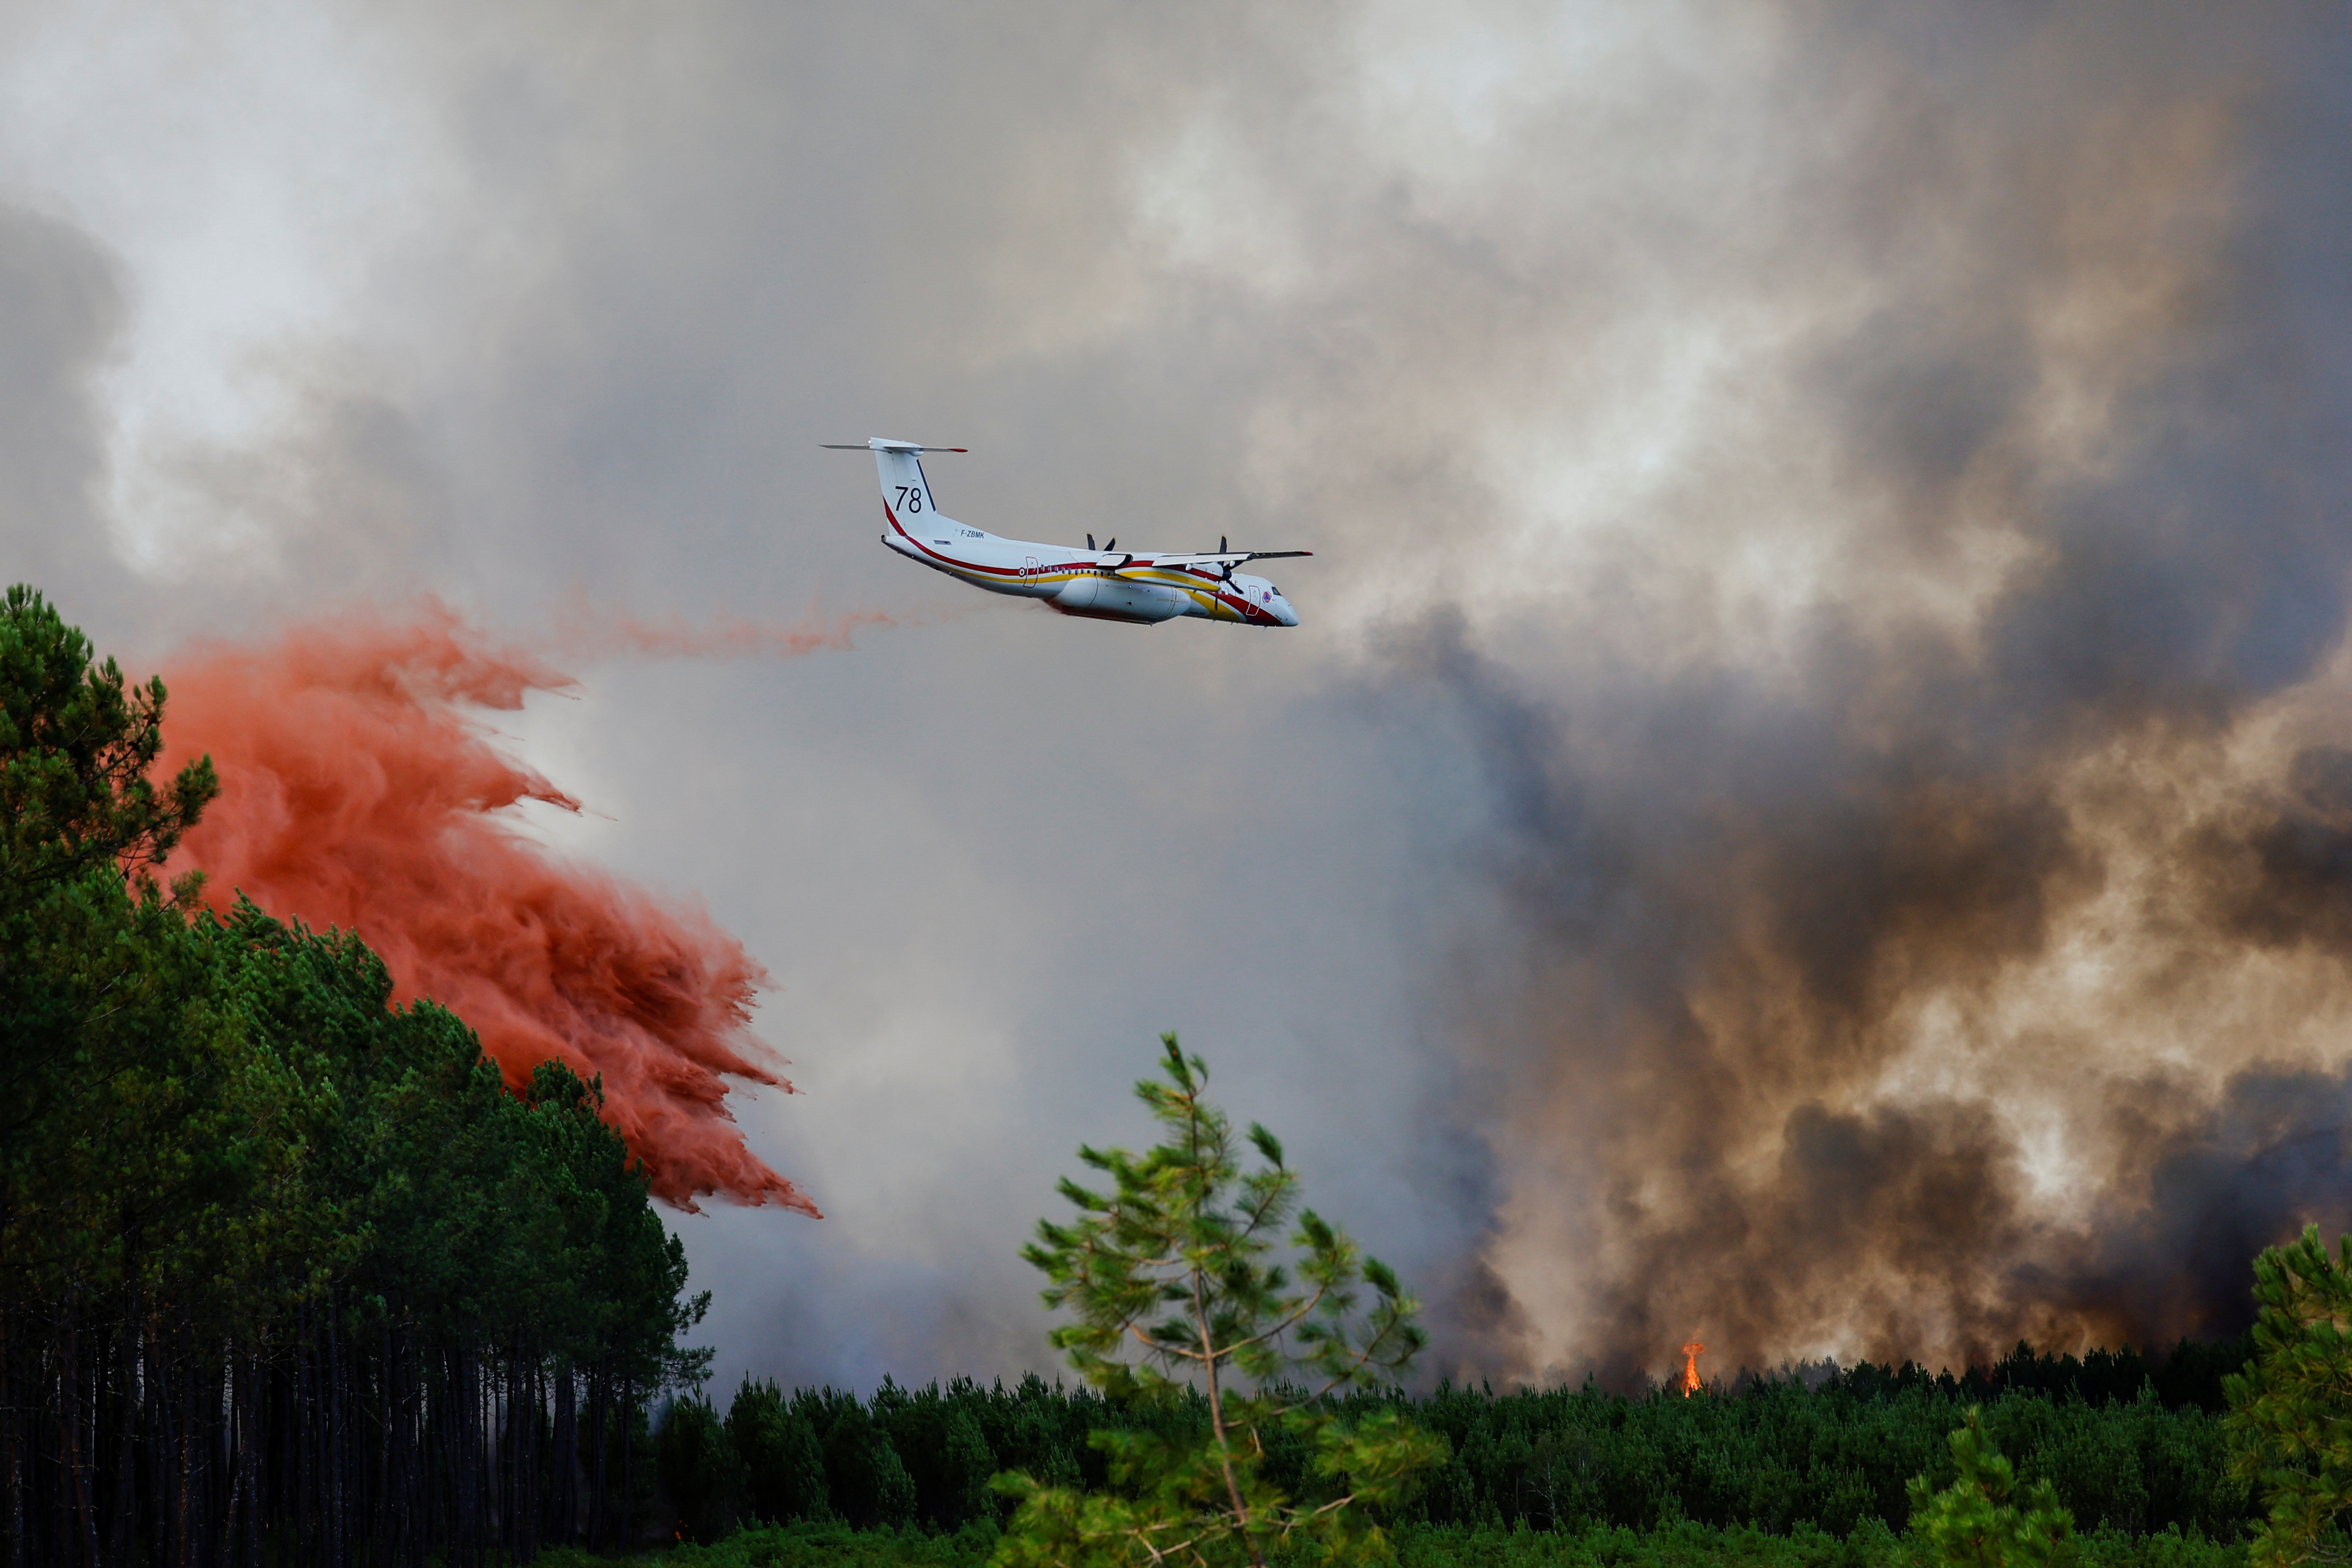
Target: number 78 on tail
1108	584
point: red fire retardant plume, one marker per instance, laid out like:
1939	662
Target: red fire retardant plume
356	791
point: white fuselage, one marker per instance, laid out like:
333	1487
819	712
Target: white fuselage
1076	582
1103	585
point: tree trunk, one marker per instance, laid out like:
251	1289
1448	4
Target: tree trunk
183	1434
124	1368
563	1522
628	1461
12	1446
337	1436
599	1385
69	1413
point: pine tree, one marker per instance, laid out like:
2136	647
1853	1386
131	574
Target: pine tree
76	746
783	1463
1184	1265
1972	1524
701	1469
867	1480
2290	1419
285	1272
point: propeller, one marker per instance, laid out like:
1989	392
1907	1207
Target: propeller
1090	541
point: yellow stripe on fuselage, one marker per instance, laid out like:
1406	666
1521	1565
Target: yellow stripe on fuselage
1001	579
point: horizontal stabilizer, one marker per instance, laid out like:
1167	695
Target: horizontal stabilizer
883	444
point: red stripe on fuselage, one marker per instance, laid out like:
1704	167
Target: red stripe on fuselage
1232	601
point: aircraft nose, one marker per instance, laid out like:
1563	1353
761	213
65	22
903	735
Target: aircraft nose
1284	614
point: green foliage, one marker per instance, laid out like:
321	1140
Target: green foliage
812	1544
868	1481
2189	1374
1777	1458
1184	1257
783	1463
701	1468
1971	1523
1684	1545
1679	1544
2291	1409
75	747
234	1179
945	1450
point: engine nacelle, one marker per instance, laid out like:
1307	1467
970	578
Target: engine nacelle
1117	599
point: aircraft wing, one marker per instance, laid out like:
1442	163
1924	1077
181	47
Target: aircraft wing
1213	557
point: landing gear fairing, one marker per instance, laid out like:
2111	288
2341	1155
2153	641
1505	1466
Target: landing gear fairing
1106	584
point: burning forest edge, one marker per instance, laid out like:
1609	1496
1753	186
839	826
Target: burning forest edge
2135	1445
292	1268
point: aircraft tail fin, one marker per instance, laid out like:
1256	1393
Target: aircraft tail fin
906	492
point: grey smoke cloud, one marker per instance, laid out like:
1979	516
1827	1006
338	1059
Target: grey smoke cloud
1785	820
60	310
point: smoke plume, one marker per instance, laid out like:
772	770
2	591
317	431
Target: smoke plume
1941	938
358	791
1809	809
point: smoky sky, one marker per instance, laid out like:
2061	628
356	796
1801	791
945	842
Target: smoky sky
1809	807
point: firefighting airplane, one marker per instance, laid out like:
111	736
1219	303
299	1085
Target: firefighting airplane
1106	584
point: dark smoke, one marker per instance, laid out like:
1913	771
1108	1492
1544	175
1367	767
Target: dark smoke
1864	488
1946	979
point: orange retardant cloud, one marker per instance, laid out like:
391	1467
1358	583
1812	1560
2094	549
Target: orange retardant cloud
358	791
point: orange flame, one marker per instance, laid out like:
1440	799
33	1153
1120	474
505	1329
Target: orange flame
1688	1383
